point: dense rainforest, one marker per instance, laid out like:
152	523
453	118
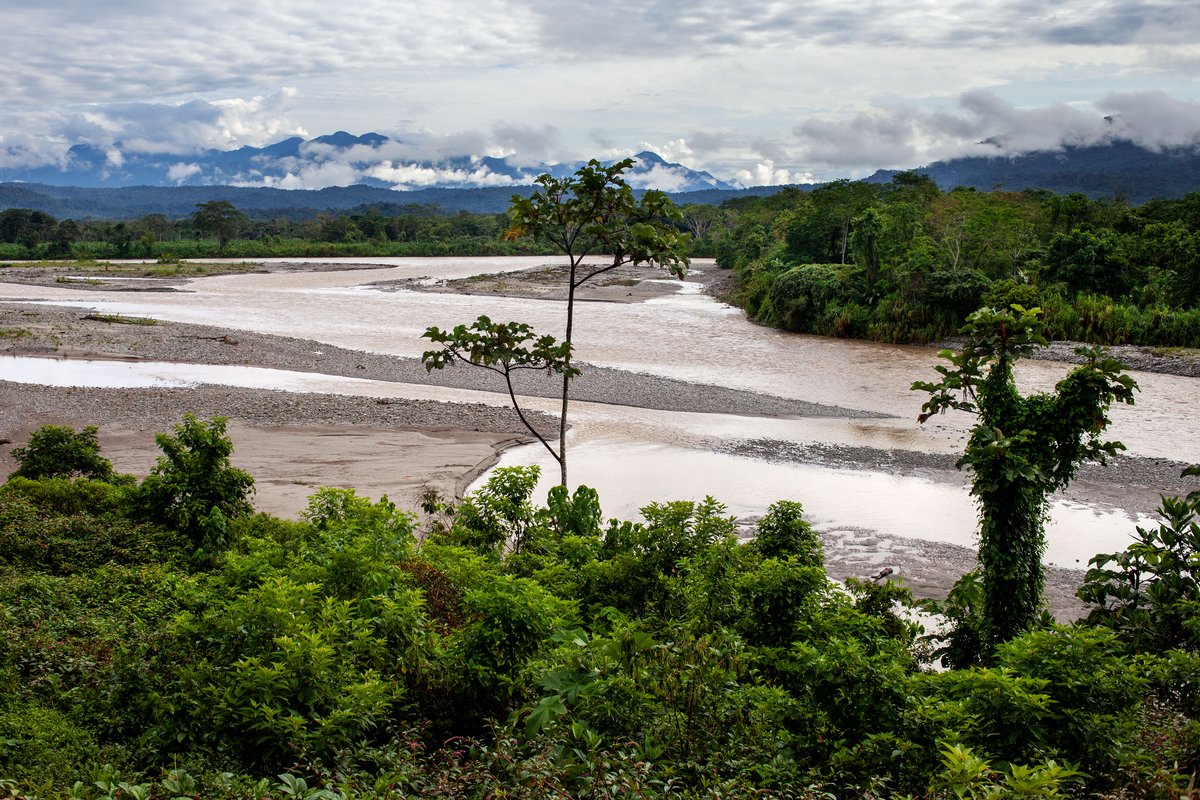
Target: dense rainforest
906	262
162	640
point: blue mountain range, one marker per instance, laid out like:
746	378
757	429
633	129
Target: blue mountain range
339	159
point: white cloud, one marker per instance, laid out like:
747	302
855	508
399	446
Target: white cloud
675	150
258	121
660	176
986	124
310	176
1154	119
417	176
765	173
754	86
181	172
870	138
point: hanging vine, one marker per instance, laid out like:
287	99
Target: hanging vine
1021	450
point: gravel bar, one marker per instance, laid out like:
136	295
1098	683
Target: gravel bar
64	331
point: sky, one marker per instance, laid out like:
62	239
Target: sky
757	91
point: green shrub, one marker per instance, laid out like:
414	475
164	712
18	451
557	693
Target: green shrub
1006	292
69	496
959	291
1149	594
56	451
784	532
499	514
193	487
1095	688
66	527
43	748
775	596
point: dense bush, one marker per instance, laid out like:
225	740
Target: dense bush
193	487
57	451
342	656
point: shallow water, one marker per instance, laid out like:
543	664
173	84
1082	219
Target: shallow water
636	455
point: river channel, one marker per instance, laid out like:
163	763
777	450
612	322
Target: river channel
634	455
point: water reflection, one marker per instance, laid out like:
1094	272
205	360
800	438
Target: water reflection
629	476
116	374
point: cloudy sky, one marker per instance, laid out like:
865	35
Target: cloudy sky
762	91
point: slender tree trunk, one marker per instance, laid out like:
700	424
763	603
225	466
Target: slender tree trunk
566	384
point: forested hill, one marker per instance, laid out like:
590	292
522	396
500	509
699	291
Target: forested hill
73	202
67	202
1114	170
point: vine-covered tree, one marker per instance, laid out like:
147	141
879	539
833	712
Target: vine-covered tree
1022	449
590	215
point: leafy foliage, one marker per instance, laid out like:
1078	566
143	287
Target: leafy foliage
339	656
56	451
506	349
905	262
193	487
1150	592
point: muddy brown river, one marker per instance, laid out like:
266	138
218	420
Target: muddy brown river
634	455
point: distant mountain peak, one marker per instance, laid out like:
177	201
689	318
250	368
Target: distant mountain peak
650	157
1118	168
336	159
343	140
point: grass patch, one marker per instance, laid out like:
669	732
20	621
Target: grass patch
1174	352
14	333
76	263
120	320
176	268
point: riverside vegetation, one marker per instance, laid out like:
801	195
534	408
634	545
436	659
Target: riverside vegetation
905	262
164	641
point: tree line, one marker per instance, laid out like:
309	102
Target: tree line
219	229
896	262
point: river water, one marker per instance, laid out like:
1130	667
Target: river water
633	456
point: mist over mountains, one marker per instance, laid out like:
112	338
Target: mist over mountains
339	159
341	172
1119	169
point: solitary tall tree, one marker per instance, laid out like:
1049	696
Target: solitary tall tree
1022	449
219	219
594	219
